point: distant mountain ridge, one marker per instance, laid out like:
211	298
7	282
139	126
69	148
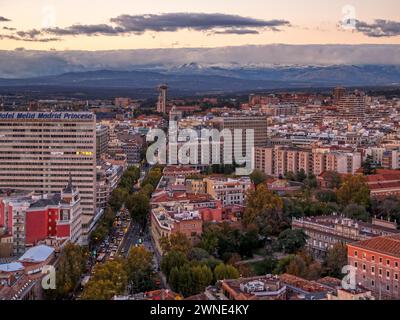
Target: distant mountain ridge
198	78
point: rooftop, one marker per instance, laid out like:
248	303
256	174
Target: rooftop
37	254
389	245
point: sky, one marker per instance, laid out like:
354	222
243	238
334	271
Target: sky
137	24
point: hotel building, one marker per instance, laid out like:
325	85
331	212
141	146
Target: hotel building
39	151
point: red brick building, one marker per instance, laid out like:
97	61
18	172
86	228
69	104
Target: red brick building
377	263
31	219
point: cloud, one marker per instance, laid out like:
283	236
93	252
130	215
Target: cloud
380	28
28	38
3	19
237	31
195	21
169	22
30	63
9	29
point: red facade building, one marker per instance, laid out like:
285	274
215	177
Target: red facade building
377	265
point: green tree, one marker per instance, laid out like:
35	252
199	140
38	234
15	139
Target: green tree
326	196
140	269
335	260
138	205
153	177
223	271
202	277
355	211
354	190
172	259
258	177
300	175
291	240
117	198
71	266
109	279
368	166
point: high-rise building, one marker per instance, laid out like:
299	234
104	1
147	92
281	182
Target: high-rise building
102	138
39	151
352	107
162	99
338	93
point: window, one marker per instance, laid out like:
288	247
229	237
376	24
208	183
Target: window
356	264
388	262
396	264
387	274
373	283
364	255
396	276
380	272
373	258
380	260
388	287
364	267
355	253
373	270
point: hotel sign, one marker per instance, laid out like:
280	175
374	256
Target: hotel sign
47	115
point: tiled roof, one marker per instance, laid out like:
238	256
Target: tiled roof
389	245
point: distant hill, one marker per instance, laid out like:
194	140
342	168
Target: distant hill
194	78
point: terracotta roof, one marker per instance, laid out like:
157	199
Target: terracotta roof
389	245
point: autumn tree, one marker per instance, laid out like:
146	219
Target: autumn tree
176	242
264	209
354	190
109	279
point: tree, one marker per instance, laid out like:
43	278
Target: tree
140	269
291	240
355	211
138	205
198	254
258	177
172	259
300	265
354	190
153	177
336	259
129	178
223	271
248	242
310	182
117	198
264	209
326	196
368	166
202	277
300	175
109	279
176	242
332	179
71	266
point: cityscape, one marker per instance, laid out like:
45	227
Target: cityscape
236	168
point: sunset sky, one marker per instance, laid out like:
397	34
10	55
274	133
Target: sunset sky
134	24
